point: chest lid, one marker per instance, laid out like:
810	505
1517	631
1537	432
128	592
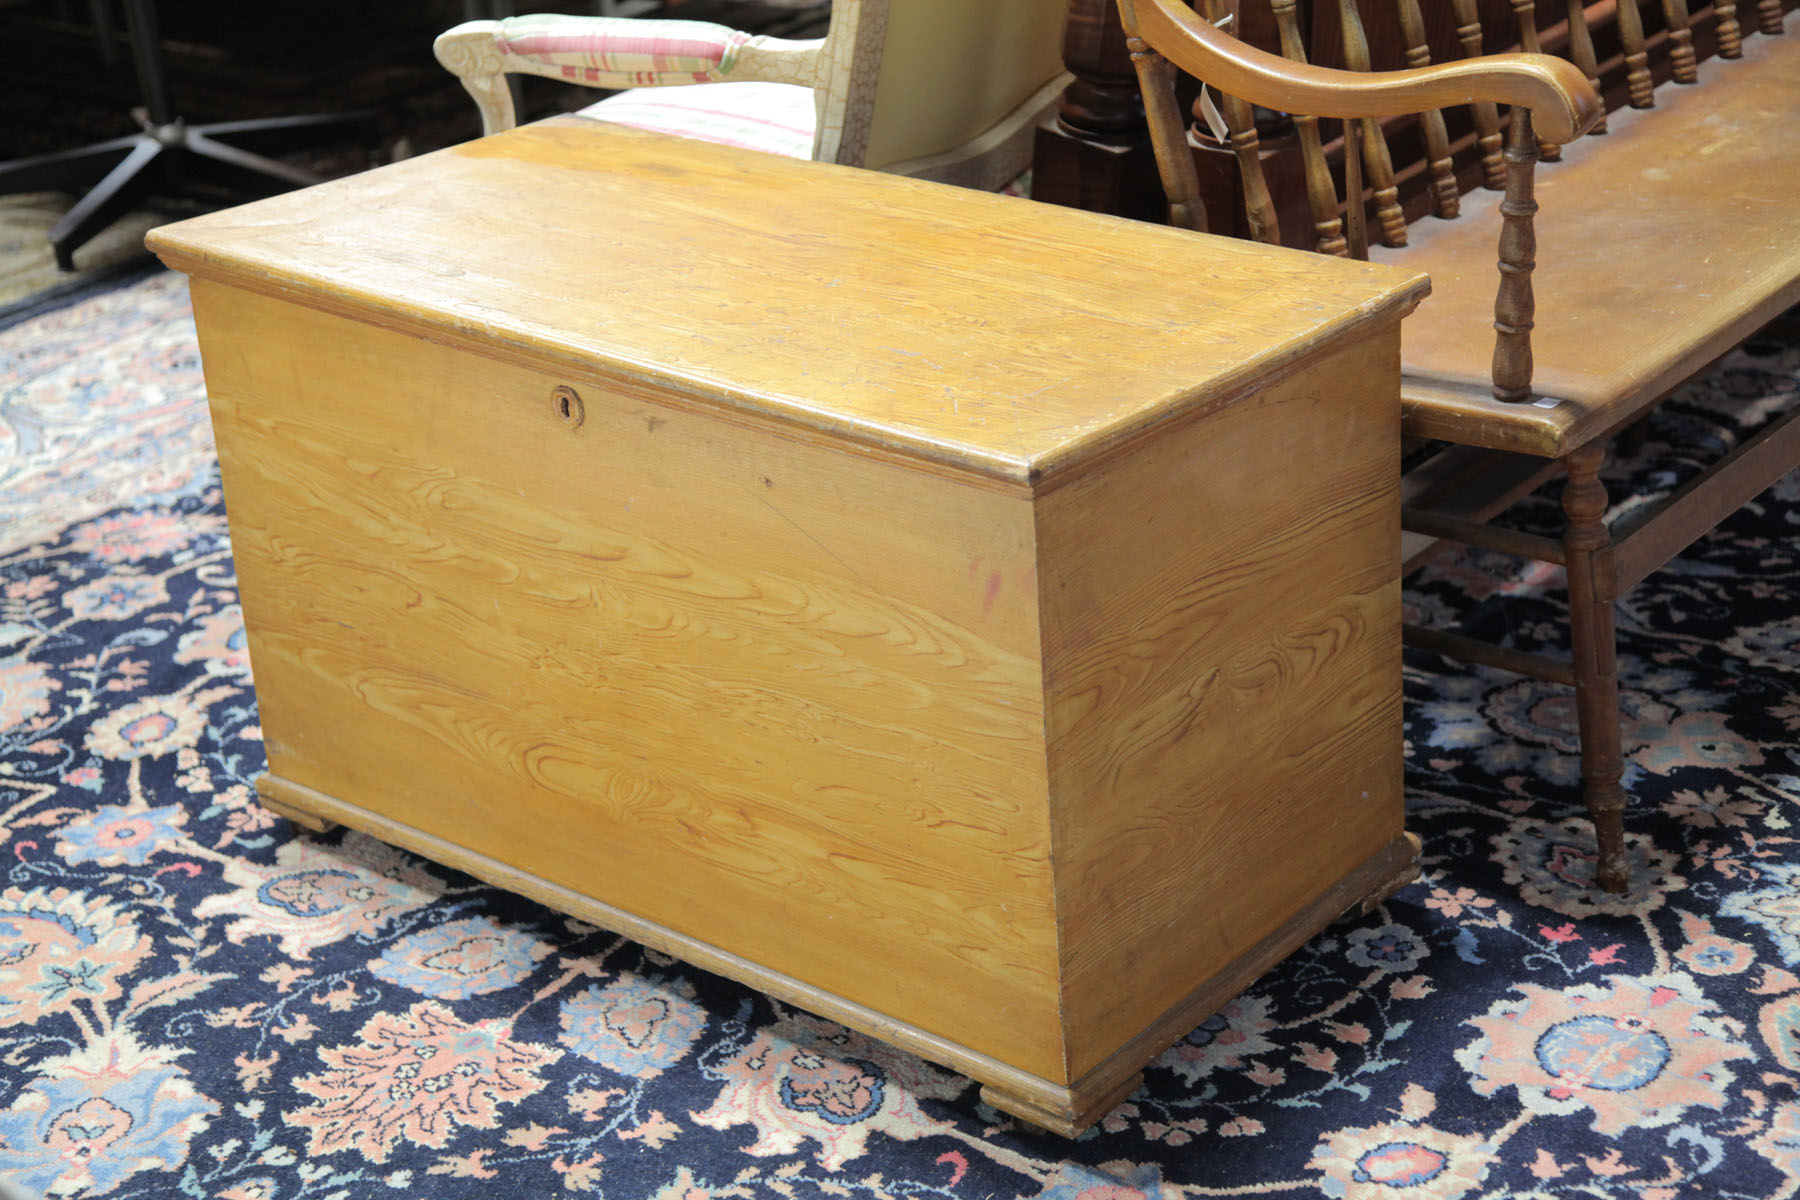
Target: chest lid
975	331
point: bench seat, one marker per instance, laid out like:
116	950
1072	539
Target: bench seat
1683	263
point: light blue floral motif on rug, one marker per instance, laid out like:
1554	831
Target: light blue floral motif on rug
1772	902
88	1133
470	957
636	1027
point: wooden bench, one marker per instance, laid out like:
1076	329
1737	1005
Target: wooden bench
1663	244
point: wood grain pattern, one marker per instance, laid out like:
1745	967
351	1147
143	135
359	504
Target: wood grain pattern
404	545
1022	1091
1116	1076
785	622
1161	653
674	670
1668	315
880	330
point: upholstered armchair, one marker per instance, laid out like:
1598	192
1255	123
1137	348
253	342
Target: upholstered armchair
804	99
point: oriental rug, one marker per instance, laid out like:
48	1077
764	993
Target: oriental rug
195	1001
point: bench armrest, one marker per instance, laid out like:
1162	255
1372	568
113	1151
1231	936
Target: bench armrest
1563	104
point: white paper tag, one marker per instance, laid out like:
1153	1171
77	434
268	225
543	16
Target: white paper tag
1545	402
1209	111
1215	120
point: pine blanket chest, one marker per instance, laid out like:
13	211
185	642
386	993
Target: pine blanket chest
864	588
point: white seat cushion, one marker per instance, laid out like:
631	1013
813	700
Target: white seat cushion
778	118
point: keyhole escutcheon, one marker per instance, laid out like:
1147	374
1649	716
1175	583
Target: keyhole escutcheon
567	406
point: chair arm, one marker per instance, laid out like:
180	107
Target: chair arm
1563	104
469	52
623	52
613	52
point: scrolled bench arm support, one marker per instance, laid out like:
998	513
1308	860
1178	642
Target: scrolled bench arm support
1548	97
1562	102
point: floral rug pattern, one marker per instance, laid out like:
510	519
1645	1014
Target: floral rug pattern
84	432
196	1001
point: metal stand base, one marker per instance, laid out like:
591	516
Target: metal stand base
123	171
168	153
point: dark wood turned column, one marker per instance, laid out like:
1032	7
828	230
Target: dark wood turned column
1095	152
1585	542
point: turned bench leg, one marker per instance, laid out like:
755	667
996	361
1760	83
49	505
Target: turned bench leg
1596	659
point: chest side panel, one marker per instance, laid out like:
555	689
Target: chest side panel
1223	662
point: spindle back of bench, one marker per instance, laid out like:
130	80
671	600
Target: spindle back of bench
1445	151
1449	140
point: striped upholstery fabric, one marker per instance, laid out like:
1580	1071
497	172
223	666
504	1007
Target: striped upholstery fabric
623	53
775	117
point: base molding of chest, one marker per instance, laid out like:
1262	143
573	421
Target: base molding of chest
1037	1101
